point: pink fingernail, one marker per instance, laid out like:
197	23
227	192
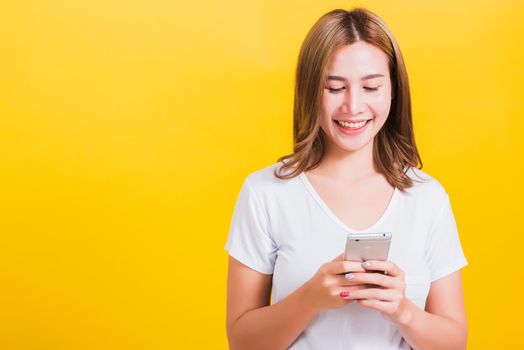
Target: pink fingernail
344	294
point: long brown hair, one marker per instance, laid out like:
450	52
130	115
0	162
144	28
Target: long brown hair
394	148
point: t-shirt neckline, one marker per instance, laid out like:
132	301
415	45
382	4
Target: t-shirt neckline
335	218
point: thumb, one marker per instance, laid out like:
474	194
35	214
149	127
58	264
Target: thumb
339	258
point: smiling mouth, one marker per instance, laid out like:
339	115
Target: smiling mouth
352	125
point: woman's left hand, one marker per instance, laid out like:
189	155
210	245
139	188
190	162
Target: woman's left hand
389	295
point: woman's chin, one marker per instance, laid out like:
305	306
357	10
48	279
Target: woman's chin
354	145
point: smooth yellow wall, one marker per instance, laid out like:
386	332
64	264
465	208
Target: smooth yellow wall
127	127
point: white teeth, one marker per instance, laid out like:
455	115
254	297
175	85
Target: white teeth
352	125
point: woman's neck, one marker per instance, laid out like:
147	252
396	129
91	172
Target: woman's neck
348	166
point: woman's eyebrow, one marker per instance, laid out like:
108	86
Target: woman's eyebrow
367	77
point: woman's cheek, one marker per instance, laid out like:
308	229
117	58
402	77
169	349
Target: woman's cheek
382	103
326	104
380	97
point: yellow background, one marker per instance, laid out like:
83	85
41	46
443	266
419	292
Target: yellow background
127	127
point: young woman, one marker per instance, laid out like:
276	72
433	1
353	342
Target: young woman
353	170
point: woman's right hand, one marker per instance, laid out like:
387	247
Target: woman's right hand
323	290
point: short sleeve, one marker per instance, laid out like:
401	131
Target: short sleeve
444	252
249	239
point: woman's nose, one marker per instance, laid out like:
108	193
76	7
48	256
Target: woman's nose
353	103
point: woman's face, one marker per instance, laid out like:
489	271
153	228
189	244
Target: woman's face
358	94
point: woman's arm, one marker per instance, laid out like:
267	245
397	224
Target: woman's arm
254	324
443	325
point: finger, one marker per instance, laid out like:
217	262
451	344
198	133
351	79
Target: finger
353	288
373	293
359	286
388	267
372	278
382	306
350	289
339	258
344	266
341	280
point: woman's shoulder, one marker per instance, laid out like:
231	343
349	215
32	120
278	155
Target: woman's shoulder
425	185
264	174
264	179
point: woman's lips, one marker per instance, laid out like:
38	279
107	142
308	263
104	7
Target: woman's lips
349	131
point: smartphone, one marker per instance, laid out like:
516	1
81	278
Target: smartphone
367	246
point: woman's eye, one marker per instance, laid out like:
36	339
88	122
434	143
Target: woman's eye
335	90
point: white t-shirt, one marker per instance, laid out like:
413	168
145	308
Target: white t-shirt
283	228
